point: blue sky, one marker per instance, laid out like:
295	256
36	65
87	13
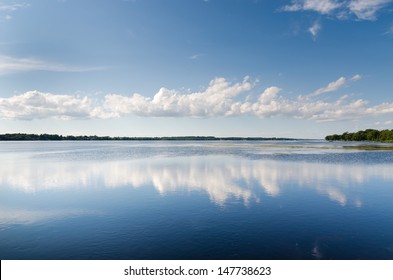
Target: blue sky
285	68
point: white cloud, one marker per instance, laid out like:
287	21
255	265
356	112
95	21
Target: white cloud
332	86
216	100
10	64
381	109
314	29
361	9
356	77
367	9
220	99
321	6
269	94
336	85
38	105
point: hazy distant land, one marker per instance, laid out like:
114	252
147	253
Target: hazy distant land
56	137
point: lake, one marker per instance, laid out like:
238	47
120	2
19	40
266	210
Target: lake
196	200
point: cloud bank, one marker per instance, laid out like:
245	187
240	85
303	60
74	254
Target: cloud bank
220	99
342	9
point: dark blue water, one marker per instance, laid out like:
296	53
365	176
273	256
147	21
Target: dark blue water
195	200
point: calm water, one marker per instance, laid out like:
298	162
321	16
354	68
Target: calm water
195	200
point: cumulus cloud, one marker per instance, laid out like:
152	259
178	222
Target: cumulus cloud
220	99
38	105
361	9
10	64
216	100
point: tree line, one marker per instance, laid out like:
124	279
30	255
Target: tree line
57	137
371	135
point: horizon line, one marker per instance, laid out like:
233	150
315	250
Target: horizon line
60	137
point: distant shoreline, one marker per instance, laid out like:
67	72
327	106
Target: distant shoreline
57	137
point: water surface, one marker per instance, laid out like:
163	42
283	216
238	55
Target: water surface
196	200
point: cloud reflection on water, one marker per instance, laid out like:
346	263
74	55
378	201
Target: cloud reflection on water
22	216
220	177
